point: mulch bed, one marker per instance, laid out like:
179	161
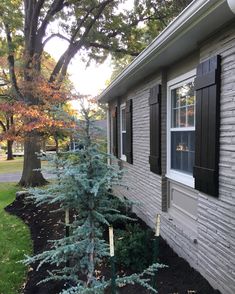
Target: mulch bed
178	278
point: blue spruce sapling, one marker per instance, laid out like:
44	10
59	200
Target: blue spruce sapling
83	186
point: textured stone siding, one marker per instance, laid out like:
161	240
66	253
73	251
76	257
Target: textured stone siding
144	186
212	249
216	217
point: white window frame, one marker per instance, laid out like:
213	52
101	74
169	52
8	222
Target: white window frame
177	176
123	156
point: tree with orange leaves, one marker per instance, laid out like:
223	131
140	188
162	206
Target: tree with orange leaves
47	118
93	27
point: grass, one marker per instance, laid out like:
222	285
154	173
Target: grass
14	243
11	166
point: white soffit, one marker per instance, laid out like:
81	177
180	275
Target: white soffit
181	37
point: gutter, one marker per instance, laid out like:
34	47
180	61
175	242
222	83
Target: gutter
184	23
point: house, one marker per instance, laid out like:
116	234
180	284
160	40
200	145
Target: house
171	117
18	148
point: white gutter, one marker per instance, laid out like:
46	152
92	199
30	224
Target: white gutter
188	20
231	4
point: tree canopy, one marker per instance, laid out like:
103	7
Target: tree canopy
92	28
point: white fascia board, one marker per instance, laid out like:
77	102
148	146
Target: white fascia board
187	20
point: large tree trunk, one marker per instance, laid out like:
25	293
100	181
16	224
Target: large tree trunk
9	150
30	176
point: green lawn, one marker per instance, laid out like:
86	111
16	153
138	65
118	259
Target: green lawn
14	243
11	166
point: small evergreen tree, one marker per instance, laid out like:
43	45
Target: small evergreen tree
83	184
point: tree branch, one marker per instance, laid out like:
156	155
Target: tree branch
81	22
3	126
53	36
11	64
108	47
39	6
55	7
4	84
57	67
62	65
35	16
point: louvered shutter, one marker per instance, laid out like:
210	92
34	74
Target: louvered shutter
207	86
129	132
155	129
115	132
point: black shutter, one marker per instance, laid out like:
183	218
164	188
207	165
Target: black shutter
129	134
155	129
115	132
207	86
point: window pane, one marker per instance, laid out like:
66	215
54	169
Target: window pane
190	116
123	119
190	93
191	100
175	118
175	98
182	151
182	96
123	143
183	117
182	103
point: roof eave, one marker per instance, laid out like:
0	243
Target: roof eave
172	36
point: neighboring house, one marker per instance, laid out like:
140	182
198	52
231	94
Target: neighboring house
18	148
172	125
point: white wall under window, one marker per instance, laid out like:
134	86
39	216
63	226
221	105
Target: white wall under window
181	128
123	130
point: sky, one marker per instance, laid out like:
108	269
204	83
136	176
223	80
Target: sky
87	80
91	80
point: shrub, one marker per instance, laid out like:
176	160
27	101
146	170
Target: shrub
133	247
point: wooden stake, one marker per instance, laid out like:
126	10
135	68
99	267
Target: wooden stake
67	222
156	247
111	247
67	228
157	228
111	241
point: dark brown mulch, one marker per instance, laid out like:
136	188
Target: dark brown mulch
179	278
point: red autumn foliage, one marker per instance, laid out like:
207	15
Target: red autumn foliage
40	117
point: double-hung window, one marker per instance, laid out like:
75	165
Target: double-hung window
181	129
123	130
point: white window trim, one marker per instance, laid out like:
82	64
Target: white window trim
123	106
177	176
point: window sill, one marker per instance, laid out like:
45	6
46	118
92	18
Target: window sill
184	179
123	157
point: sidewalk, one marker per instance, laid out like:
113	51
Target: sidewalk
11	177
15	177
